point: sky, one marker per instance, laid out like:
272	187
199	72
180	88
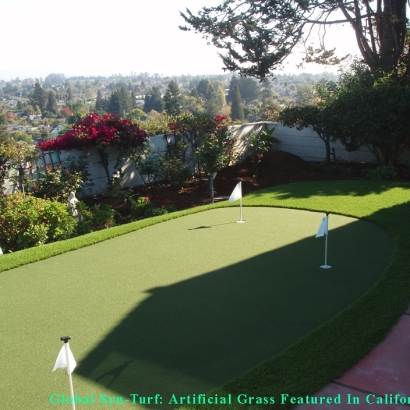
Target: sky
96	38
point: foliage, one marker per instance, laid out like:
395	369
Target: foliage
102	133
143	208
3	132
173	170
26	221
98	217
18	156
313	114
172	99
208	136
371	111
237	112
57	183
382	173
259	144
258	36
153	100
149	168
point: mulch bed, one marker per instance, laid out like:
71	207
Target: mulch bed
275	168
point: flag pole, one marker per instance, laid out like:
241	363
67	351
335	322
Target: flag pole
65	339
241	221
326	266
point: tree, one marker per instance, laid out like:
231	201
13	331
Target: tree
172	99
259	35
153	100
234	81
237	112
213	105
38	97
370	112
313	115
52	102
100	102
125	100
114	105
4	136
69	91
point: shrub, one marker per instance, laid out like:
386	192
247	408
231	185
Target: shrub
26	221
382	173
144	208
94	219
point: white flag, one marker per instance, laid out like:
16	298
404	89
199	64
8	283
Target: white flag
61	362
236	193
323	229
1	251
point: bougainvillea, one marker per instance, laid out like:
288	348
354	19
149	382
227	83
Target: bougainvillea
99	132
102	133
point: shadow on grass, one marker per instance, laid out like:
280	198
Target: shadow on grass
329	188
200	333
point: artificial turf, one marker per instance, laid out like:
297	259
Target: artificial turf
186	305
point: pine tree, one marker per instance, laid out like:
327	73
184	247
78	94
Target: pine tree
113	106
234	81
100	102
172	99
4	136
38	97
153	101
133	100
52	102
237	112
70	91
125	101
213	105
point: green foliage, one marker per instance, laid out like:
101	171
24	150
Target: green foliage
96	218
57	183
382	173
150	168
153	100
259	144
26	221
371	109
173	170
237	112
172	99
143	208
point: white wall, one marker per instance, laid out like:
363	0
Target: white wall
305	144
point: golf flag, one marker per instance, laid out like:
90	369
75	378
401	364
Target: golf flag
61	362
323	228
236	193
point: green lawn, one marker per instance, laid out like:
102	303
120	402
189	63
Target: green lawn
187	305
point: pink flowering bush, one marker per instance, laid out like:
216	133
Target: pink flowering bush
101	132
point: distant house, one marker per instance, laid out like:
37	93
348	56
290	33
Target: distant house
12	103
56	131
34	117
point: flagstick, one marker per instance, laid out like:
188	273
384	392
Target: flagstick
240	208
326	266
65	339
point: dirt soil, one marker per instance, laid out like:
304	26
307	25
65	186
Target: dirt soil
275	168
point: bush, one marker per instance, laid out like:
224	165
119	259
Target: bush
382	173
143	208
26	221
94	219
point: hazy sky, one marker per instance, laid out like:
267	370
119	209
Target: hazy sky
91	38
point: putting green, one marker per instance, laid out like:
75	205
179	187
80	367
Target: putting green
179	307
